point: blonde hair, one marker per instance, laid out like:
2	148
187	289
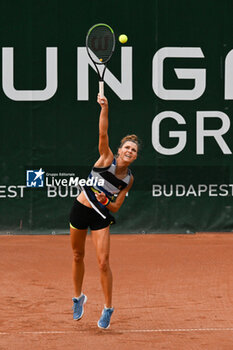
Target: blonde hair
132	138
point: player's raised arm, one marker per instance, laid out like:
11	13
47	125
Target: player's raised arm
106	155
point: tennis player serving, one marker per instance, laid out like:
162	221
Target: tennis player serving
92	209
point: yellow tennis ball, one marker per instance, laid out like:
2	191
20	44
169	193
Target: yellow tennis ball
123	38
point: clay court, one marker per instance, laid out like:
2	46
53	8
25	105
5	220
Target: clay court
170	292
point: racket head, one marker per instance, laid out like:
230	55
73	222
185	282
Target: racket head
100	43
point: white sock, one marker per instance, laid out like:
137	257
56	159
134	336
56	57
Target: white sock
108	308
77	298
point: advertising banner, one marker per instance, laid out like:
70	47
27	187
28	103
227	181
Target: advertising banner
171	84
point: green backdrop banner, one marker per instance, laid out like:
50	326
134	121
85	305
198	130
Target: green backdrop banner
171	84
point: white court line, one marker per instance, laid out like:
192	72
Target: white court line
176	330
125	331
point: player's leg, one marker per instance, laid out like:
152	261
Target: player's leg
78	239
101	240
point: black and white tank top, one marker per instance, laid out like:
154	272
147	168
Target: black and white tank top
111	186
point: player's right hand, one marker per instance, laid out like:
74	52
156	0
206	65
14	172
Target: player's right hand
103	102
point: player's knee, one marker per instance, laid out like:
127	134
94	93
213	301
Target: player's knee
78	256
103	263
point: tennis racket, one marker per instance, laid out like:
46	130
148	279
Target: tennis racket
100	45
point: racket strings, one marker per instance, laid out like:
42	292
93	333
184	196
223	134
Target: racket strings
100	44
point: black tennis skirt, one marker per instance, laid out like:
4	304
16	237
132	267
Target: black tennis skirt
82	217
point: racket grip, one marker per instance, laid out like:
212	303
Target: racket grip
101	89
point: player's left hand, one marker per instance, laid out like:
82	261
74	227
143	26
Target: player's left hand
100	197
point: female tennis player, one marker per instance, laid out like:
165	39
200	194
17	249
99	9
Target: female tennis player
91	209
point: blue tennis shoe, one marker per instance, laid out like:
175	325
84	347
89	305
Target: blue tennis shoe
78	307
104	321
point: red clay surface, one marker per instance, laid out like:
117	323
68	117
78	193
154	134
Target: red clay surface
171	292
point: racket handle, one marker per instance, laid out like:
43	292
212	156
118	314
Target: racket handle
101	89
